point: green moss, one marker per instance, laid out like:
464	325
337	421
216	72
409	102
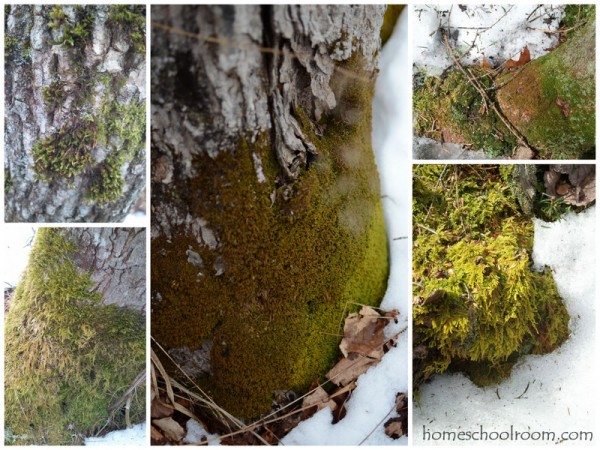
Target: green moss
453	109
392	13
293	253
73	34
564	77
54	94
67	152
133	18
67	356
492	307
8	181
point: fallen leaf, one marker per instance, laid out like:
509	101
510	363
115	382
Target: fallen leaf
316	401
156	437
524	58
564	107
350	368
395	428
171	429
363	334
562	188
485	64
160	409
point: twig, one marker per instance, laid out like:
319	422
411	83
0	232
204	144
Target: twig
427	228
527	387
377	426
562	30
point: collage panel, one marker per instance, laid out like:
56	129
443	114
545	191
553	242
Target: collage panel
74	335
504	303
75	112
279	245
504	81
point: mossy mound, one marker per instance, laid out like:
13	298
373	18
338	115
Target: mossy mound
451	110
478	305
290	255
552	101
68	357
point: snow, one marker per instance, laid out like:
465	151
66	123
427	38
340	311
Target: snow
559	386
131	436
17	243
372	401
136	219
500	32
196	433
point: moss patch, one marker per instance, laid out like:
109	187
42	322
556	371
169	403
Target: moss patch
451	110
116	126
392	13
491	307
290	256
68	357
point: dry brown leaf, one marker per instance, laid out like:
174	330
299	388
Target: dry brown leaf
524	58
523	152
394	428
564	106
156	437
171	429
318	399
485	64
160	409
363	334
350	368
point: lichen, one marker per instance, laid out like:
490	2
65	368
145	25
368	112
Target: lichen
68	356
472	244
293	255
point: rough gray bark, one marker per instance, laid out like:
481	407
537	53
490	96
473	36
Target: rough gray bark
117	257
33	61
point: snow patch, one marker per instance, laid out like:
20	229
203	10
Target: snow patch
131	436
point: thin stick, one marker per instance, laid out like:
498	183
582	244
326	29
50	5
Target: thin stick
377	426
527	387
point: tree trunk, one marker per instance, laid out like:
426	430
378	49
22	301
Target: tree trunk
74	112
266	211
75	334
548	106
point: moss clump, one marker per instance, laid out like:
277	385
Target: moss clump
133	18
490	307
289	258
73	34
54	94
451	110
67	152
68	357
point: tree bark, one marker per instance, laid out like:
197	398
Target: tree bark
74	112
266	208
75	334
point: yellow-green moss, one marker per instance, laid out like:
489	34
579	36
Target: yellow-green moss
291	264
67	357
477	252
392	13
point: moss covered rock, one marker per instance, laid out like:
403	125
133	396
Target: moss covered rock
68	355
478	305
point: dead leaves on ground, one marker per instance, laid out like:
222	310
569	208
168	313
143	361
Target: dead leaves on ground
362	347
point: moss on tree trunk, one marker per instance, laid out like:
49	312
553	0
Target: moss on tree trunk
261	235
69	353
